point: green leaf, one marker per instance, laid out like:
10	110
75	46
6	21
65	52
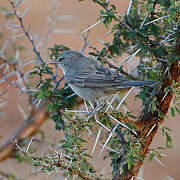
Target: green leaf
172	111
168	140
102	12
177	109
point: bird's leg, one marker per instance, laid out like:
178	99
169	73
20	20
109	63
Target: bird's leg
94	105
98	105
102	103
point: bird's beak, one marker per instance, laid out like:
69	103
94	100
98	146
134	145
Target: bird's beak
57	61
53	62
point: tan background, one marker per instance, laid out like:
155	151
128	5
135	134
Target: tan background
81	16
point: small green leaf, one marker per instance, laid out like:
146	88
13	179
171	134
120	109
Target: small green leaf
177	109
172	112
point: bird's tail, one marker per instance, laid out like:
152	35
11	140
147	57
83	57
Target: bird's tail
127	84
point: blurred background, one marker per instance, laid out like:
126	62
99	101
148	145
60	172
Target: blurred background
73	18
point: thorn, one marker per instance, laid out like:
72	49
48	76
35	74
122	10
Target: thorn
27	149
18	2
70	96
21	110
150	130
25	12
112	100
102	124
39	101
129	7
78	111
110	149
13	25
122	124
30	62
162	164
123	99
85	104
165	96
93	26
4	47
109	137
130	57
143	21
17	36
155	20
96	141
90	133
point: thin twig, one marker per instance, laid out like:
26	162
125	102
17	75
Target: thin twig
26	32
85	44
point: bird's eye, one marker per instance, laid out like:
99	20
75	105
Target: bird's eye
60	59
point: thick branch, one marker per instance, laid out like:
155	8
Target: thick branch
28	128
147	120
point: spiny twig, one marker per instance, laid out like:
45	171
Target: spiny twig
85	44
27	34
26	31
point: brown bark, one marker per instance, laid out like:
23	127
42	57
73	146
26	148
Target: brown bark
147	120
28	128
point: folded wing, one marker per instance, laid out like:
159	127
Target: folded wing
96	77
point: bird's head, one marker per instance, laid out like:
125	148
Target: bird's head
66	58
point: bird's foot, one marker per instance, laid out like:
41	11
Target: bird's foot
95	110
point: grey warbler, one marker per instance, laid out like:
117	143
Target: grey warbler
90	80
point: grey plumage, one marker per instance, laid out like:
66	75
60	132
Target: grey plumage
90	79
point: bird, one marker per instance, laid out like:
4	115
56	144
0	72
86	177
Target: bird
90	79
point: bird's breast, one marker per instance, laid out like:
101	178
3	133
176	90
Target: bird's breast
87	93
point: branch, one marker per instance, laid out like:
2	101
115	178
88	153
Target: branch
101	4
17	70
12	83
74	171
148	120
85	44
26	32
154	6
38	116
29	127
53	162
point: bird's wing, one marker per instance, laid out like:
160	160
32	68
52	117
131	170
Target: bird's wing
99	76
